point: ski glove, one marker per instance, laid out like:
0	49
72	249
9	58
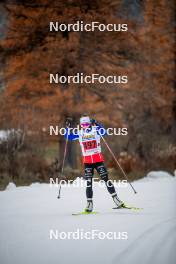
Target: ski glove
68	122
93	122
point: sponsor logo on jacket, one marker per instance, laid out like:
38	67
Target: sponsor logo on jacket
85	137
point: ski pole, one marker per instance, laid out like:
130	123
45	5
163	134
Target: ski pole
63	163
118	163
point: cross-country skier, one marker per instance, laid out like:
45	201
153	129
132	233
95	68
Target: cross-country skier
89	138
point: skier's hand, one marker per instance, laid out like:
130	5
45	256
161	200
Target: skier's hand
93	121
68	121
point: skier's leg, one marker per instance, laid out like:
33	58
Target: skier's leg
89	191
89	170
101	169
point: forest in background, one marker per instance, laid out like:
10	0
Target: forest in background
146	105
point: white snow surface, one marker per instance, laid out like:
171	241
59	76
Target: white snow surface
27	214
3	135
10	186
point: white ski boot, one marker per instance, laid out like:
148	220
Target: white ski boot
117	201
89	207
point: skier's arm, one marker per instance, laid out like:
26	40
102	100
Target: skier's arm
70	136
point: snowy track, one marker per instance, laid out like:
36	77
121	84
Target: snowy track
162	245
29	213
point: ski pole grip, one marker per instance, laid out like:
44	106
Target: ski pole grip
93	121
68	121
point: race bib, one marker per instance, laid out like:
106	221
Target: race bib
88	145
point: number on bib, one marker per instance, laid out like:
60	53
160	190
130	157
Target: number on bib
90	144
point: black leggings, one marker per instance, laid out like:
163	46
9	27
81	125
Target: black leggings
102	171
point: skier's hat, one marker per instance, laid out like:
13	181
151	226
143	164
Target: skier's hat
85	120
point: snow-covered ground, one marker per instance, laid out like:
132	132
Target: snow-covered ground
3	135
28	214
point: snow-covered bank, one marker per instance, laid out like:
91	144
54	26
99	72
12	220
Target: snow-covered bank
29	213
